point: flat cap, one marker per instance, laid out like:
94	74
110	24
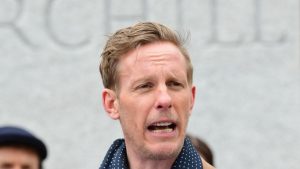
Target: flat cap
14	135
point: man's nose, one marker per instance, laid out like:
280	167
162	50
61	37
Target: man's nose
164	100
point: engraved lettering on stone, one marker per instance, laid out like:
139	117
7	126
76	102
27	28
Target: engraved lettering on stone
179	11
13	24
109	17
50	28
215	36
258	33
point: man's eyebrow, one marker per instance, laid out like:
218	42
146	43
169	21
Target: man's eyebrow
26	166
176	76
141	79
6	165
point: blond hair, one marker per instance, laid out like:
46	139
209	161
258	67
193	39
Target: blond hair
127	39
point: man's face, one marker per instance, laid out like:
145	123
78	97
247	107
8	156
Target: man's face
154	100
18	158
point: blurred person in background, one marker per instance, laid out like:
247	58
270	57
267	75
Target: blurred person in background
20	149
203	149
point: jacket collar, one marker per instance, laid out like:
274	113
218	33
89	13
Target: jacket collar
116	157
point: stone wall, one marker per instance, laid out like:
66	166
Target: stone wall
246	59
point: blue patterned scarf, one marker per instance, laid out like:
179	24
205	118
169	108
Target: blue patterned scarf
116	157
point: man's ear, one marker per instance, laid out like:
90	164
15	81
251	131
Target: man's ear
193	95
110	104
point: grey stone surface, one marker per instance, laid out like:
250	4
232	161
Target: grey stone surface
246	59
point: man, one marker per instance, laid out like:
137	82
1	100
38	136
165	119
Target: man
19	149
148	86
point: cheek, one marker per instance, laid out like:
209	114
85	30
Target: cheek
133	113
183	101
182	106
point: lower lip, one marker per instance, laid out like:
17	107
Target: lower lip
163	134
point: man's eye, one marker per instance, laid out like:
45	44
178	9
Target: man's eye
145	86
174	84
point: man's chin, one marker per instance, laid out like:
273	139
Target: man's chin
162	155
163	151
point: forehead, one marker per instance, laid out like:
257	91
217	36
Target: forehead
17	154
158	53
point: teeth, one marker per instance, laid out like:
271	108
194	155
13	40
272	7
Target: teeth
163	124
162	127
163	130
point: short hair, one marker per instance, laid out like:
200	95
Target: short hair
129	38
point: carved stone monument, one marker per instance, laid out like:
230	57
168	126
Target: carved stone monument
246	59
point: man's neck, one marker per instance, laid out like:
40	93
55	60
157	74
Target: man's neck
138	160
138	163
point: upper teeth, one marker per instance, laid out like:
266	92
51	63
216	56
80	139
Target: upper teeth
163	124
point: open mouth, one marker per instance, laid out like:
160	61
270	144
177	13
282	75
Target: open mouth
162	127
